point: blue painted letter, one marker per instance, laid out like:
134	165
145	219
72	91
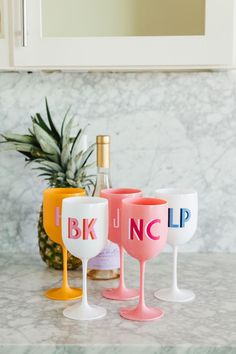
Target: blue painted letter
170	218
185	215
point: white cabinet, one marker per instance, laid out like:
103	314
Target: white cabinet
123	34
4	35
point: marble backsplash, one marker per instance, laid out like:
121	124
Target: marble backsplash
167	129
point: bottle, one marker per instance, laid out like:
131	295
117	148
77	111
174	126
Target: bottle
106	265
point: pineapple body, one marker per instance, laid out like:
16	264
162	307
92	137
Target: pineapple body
51	252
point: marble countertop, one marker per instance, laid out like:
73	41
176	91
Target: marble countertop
32	324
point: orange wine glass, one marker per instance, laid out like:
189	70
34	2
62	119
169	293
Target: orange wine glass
52	204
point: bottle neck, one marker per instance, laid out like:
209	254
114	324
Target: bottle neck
103	170
103	180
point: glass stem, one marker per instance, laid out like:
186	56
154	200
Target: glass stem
174	274
141	304
85	292
65	272
122	278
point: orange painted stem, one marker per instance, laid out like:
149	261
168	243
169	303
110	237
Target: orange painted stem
65	284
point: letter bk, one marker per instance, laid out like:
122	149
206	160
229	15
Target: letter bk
136	228
87	229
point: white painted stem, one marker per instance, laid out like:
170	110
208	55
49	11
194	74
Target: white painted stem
174	275
84	302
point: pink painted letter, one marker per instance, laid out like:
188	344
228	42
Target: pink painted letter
116	222
88	229
73	226
57	216
136	229
148	229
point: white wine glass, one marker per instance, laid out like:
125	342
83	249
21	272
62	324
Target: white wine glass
85	234
182	224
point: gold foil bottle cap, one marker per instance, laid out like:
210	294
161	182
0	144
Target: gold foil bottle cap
103	139
103	151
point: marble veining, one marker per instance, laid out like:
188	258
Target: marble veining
167	129
32	324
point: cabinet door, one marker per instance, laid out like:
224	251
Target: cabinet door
4	38
124	33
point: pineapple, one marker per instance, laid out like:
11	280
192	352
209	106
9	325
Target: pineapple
57	156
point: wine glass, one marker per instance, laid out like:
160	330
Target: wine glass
182	224
144	235
115	197
85	233
52	202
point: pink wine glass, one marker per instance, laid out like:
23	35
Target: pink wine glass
144	233
115	197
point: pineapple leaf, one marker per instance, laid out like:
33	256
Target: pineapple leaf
43	169
86	155
7	146
78	159
47	143
61	174
92	164
80	172
71	182
55	133
52	165
88	184
28	157
33	135
88	176
70	175
71	169
65	155
63	126
10	146
61	179
19	138
39	121
76	143
44	174
34	151
67	132
86	159
90	181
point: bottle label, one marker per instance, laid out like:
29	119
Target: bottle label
108	259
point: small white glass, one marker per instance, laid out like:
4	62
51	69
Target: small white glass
182	224
85	234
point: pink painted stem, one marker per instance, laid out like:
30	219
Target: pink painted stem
122	279
141	304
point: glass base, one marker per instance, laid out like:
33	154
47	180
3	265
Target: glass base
175	295
120	294
96	274
64	293
142	313
82	312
